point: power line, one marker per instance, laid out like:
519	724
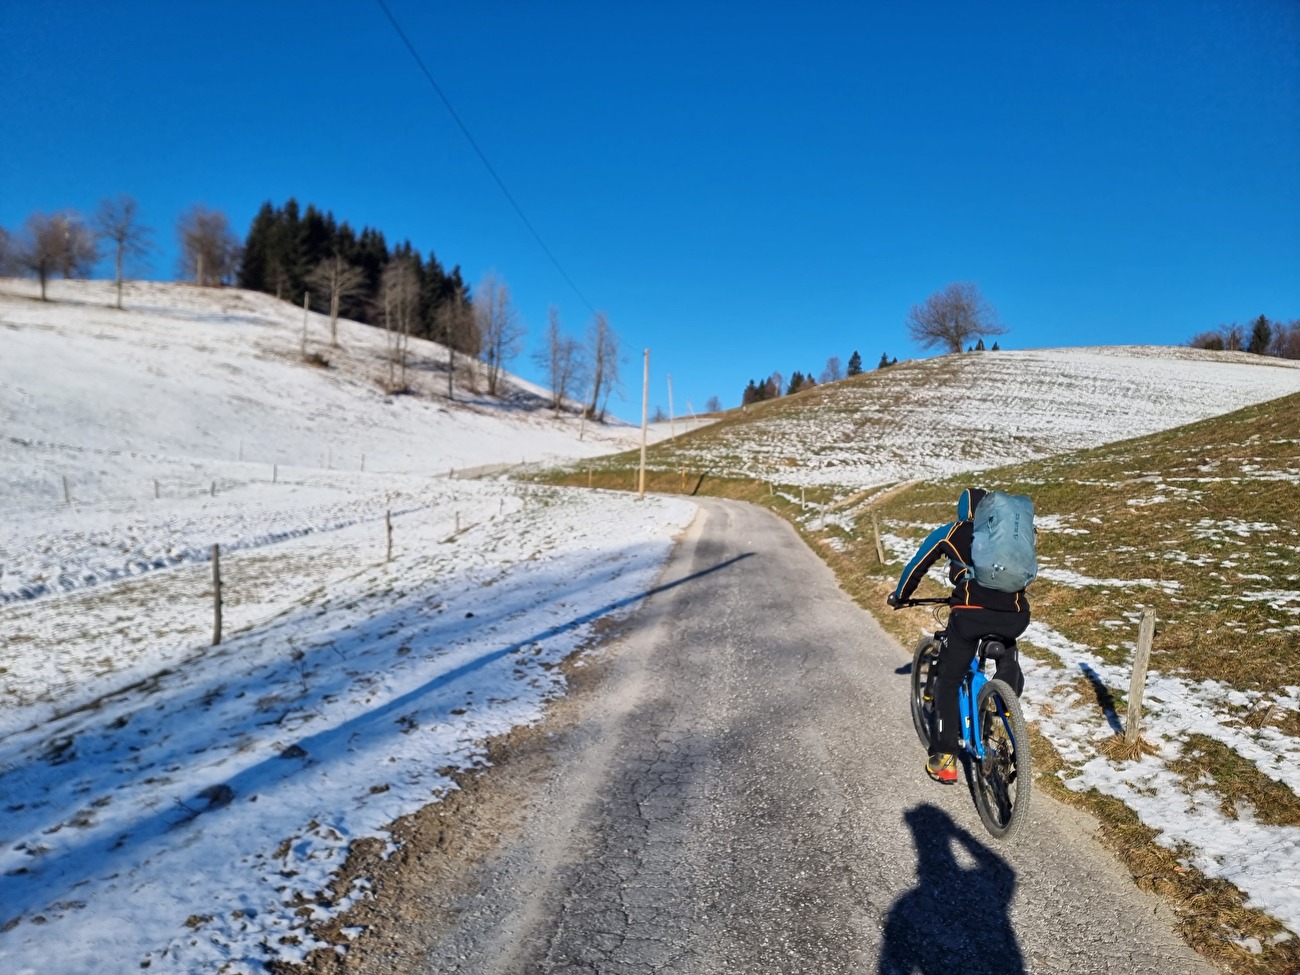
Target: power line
481	155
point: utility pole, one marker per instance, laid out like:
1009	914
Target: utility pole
645	420
672	427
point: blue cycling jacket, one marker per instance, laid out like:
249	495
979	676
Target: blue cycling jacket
953	540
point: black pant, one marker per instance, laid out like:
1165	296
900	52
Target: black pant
965	627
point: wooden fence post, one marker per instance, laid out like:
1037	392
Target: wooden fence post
216	595
155	489
1137	686
67	498
875	528
388	524
275	473
213	491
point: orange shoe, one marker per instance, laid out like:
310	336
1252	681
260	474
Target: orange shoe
942	768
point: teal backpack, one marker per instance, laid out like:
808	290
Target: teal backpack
1003	544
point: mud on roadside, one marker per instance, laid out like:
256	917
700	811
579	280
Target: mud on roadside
439	848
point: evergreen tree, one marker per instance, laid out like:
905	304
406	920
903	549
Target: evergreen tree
371	256
995	346
316	239
252	265
751	394
285	245
855	364
284	268
796	383
979	346
1260	336
884	360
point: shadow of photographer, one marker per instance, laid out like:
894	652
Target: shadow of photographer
957	917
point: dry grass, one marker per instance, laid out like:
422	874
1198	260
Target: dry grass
1209	764
1119	749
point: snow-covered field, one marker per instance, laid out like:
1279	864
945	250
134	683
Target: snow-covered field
165	801
933	418
179	823
170	802
1261	859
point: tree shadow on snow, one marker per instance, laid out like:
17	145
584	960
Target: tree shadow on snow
355	739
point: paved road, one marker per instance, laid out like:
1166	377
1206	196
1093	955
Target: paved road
746	795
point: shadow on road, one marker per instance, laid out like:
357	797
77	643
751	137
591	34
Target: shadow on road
957	917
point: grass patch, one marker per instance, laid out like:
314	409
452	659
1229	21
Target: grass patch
1209	764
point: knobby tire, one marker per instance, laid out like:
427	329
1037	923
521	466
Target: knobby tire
1002	779
923	662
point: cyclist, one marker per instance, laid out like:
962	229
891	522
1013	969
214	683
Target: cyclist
974	611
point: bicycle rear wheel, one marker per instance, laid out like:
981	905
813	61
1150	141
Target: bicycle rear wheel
924	662
1003	777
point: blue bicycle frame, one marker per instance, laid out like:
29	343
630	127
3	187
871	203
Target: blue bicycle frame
967	695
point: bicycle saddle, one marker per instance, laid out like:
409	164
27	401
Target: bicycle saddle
995	647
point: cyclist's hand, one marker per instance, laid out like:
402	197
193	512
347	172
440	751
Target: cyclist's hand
894	601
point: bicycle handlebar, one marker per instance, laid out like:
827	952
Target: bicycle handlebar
928	599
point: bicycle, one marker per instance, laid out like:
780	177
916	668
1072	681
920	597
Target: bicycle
995	741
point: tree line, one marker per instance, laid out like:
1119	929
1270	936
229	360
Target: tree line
776	385
1263	336
307	255
955	317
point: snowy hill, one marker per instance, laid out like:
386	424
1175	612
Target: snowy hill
217	374
936	417
357	667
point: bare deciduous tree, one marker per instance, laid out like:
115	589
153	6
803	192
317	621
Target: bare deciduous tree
561	357
714	405
454	321
953	317
209	250
399	290
335	281
8	259
1286	340
833	371
118	221
58	244
602	359
499	327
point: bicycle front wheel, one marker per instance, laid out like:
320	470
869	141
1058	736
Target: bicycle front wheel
1003	777
924	664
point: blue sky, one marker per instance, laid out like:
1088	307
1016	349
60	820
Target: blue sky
741	187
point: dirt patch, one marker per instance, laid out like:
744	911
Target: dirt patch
440	847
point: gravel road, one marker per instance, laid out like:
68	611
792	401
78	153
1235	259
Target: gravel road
744	793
